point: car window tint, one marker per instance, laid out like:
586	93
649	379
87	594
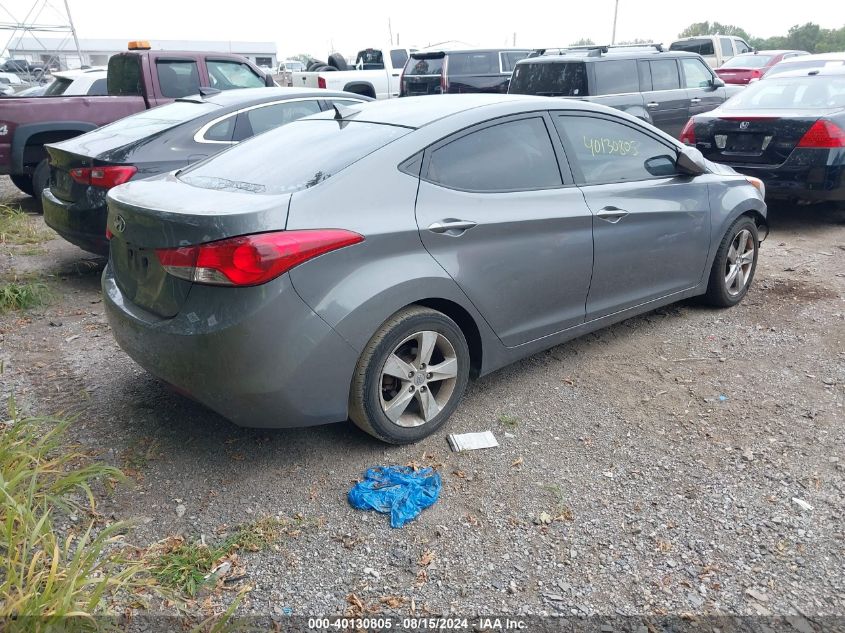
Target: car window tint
702	46
98	88
696	74
616	77
177	78
222	130
124	76
271	116
227	75
424	66
398	57
509	59
476	63
151	121
568	79
608	151
727	47
511	156
265	164
664	75
645	75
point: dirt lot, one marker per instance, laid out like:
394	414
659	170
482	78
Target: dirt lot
690	460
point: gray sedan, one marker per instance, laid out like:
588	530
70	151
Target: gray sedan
365	262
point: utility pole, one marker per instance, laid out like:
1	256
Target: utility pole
514	39
615	15
390	30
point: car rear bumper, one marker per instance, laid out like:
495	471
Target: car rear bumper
84	227
258	356
800	182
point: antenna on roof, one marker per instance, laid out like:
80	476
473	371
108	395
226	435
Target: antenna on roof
342	112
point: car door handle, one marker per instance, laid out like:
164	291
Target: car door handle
652	104
612	214
451	226
695	100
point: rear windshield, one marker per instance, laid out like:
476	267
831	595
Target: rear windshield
427	66
266	164
748	61
703	46
58	87
789	66
791	92
124	76
148	122
557	79
475	63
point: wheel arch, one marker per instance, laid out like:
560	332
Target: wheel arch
29	140
466	323
361	88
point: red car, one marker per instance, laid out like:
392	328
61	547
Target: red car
744	68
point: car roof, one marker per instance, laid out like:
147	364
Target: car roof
451	51
818	56
239	96
580	57
811	72
417	112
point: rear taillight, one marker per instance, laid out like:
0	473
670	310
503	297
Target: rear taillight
321	82
756	73
823	134
688	133
104	177
250	260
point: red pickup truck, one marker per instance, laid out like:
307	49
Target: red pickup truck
137	79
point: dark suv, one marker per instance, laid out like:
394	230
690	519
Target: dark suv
664	88
441	72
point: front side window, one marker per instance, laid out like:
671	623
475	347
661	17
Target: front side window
511	156
608	151
696	74
616	77
398	57
727	47
664	75
228	75
177	78
271	116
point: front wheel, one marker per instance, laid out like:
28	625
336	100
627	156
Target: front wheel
410	377
23	182
734	265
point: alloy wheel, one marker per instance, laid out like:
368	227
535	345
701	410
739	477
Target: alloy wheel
739	262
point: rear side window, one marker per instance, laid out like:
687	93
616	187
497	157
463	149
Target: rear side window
98	88
259	120
177	78
58	87
566	79
727	47
478	63
398	57
228	74
509	59
222	131
265	164
511	156
616	77
607	151
425	66
702	46
124	76
148	122
664	75
696	74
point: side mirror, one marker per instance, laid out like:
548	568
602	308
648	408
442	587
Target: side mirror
663	165
269	81
718	82
690	162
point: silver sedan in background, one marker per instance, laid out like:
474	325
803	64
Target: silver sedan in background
365	262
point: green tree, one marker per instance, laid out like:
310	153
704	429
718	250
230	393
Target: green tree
804	37
831	40
635	41
584	41
714	28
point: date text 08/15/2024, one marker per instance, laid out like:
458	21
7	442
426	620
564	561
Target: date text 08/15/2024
417	624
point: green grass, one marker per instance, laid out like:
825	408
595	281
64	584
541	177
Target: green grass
22	295
18	228
45	574
509	421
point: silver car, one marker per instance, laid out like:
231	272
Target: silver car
363	263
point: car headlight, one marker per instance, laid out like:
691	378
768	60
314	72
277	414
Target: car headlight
757	184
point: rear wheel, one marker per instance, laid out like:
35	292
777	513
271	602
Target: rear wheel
410	377
40	178
23	182
734	265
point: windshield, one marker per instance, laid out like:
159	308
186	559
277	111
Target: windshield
293	157
58	86
556	79
788	66
748	61
148	122
791	93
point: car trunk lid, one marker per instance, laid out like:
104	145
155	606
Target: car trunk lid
167	213
62	184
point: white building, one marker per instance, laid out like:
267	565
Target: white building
96	52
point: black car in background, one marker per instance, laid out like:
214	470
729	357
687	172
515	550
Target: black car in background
663	88
442	72
787	130
84	168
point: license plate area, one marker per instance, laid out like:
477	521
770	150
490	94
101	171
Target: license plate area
740	143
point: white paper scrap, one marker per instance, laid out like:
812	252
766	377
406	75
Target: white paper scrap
472	441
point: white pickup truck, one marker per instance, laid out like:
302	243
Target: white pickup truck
376	73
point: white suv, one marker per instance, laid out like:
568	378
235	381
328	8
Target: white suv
715	49
89	81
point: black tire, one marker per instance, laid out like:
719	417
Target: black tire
23	182
369	385
719	293
314	65
336	60
326	68
40	179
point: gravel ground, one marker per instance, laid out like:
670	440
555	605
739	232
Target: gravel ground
686	461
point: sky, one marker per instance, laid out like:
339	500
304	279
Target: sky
317	28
